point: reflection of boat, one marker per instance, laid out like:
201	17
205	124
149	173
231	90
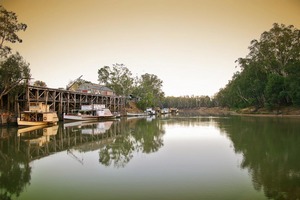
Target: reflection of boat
91	128
29	129
38	136
89	113
74	123
100	128
150	118
38	114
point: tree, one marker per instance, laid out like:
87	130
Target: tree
267	75
40	83
13	71
292	83
9	26
275	91
149	89
118	78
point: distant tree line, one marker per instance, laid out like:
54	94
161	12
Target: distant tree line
188	102
269	75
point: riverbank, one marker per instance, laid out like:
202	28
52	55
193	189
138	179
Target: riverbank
263	112
205	111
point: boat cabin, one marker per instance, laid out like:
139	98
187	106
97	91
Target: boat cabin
38	107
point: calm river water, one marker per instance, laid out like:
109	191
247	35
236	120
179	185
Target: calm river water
171	157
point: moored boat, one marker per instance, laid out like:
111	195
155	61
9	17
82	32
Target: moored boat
38	114
89	113
150	111
165	111
80	117
129	114
174	110
105	113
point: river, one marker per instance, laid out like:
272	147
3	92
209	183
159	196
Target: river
168	157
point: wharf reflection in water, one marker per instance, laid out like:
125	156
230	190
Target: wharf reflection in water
39	136
115	140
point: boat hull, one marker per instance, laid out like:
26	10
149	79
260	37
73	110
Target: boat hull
34	123
80	117
135	114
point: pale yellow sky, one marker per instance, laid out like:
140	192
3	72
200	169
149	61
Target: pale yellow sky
191	45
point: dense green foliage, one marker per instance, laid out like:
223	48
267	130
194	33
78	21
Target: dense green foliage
146	89
270	73
13	71
118	78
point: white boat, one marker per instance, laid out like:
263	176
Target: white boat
38	114
89	113
165	111
79	117
129	114
150	111
105	113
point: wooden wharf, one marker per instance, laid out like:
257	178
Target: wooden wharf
64	101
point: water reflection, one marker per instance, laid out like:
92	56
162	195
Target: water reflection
15	171
140	135
37	136
270	148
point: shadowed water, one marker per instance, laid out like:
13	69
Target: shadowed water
171	157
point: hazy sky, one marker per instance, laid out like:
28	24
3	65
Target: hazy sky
191	45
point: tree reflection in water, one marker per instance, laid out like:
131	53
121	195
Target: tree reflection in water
270	148
138	135
15	172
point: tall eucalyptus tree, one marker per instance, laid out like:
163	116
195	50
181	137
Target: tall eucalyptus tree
267	76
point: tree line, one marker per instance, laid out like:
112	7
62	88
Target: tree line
269	75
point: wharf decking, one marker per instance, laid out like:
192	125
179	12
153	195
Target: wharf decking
63	101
